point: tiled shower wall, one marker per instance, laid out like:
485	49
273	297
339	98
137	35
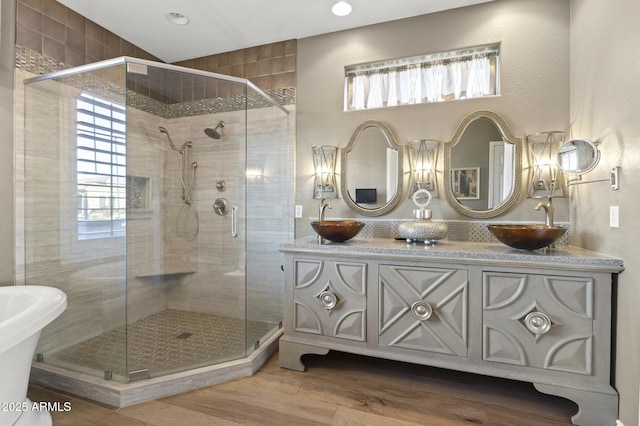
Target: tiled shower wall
271	67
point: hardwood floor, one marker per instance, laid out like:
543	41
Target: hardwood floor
336	389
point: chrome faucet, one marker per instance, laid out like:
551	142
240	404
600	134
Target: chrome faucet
548	211
321	208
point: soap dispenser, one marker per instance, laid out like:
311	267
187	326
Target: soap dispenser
422	228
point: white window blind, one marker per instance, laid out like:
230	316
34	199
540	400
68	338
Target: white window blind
453	75
101	168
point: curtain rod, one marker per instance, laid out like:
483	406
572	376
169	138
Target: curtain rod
424	60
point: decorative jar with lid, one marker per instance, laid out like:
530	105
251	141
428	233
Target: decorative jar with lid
422	228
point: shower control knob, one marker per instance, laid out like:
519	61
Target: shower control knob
221	206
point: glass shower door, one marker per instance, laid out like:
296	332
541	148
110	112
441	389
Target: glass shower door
186	278
74	216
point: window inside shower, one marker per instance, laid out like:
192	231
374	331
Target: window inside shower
101	165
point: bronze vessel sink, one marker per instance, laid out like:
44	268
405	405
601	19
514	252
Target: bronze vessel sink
527	237
337	230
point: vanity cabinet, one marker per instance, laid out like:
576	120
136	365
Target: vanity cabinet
424	309
329	298
541	321
479	308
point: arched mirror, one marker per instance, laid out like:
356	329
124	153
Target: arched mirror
578	156
371	170
483	166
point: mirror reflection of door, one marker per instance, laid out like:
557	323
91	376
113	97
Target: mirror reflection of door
499	168
369	163
501	156
497	164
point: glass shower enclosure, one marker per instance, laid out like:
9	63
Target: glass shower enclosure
156	197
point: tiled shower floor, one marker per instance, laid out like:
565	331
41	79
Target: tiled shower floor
167	342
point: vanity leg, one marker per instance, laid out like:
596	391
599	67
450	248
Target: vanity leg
291	354
595	408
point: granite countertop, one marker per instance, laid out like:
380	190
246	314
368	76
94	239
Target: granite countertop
467	252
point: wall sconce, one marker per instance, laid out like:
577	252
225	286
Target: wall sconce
423	154
545	179
324	165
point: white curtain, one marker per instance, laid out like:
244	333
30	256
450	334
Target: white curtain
358	92
376	91
392	88
468	77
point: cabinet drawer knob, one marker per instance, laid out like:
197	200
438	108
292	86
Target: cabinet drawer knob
421	310
328	300
537	322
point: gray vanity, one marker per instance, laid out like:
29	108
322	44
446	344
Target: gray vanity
543	317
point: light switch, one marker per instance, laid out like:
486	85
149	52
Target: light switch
614	216
298	212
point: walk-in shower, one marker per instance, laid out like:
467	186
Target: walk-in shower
120	180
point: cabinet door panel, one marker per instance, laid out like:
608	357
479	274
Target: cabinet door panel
330	298
423	308
538	321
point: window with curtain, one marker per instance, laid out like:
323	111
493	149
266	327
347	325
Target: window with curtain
461	74
101	168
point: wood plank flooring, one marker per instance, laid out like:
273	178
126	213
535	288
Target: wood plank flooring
336	389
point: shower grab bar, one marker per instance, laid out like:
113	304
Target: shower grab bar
234	221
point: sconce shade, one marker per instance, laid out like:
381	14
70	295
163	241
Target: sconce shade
324	165
545	179
423	154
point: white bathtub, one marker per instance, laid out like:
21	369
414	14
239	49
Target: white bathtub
24	311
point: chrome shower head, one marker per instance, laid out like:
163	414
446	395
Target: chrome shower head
166	132
213	132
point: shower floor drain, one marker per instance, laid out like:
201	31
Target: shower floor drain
184	335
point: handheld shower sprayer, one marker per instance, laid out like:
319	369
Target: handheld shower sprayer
166	132
213	132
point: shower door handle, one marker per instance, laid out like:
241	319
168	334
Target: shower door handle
234	221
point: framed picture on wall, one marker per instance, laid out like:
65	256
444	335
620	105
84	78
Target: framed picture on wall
465	182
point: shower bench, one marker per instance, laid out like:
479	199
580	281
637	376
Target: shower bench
540	317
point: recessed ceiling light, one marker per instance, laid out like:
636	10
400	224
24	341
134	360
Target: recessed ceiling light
177	18
342	8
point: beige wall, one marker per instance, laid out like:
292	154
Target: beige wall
605	106
534	38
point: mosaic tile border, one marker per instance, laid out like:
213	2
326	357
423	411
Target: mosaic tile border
39	64
459	230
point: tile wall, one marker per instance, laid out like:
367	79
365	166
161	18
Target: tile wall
49	28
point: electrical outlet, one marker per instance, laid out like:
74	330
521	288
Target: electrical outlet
298	212
614	216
